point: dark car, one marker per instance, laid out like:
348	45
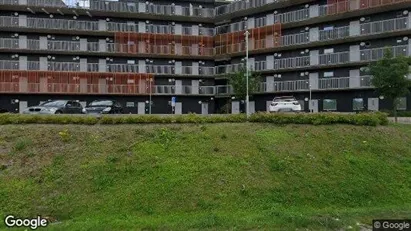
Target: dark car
104	107
3	110
56	107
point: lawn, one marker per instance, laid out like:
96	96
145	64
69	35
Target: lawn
209	176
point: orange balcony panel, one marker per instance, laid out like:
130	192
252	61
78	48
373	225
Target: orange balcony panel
73	82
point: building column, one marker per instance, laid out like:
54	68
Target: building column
142	68
178	86
178	29
102	86
355	79
355	53
23	84
83	44
178	10
314	58
354	5
141	27
314	11
195	67
178	68
195	87
314	34
102	65
142	7
270	19
355	28
102	25
195	30
102	45
43	84
22	42
23	63
43	64
313	81
22	20
43	43
83	65
270	62
83	85
269	84
250	23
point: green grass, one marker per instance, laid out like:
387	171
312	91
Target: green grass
205	176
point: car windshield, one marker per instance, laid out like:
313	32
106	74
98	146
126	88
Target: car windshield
58	103
102	103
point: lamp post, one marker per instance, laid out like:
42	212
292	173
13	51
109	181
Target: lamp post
246	72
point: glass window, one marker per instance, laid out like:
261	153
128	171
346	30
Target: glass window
58	103
358	104
329	104
329	50
402	103
329	74
328	27
102	103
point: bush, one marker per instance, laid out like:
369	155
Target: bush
368	119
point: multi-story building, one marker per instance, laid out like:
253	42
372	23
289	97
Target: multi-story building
142	51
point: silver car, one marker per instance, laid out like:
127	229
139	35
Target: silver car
56	107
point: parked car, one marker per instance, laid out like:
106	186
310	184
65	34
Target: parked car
104	107
285	104
2	110
56	107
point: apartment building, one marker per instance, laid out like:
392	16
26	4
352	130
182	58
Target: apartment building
139	52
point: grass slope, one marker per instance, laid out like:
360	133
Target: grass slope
217	176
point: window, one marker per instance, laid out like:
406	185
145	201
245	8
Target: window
329	28
329	104
358	104
329	50
402	103
130	104
329	74
131	62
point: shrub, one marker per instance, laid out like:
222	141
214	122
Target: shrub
368	119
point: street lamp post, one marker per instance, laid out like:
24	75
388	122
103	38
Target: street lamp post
246	73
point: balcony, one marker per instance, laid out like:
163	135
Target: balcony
335	33
389	25
335	58
284	86
121	7
334	83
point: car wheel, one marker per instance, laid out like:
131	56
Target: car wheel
58	112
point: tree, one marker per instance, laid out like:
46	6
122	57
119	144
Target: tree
390	77
239	82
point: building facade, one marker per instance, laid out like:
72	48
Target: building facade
143	53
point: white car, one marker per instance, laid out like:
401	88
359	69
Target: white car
285	104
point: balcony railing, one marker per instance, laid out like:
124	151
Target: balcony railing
111	6
284	86
240	5
295	39
335	33
334	83
378	53
395	24
9	43
224	90
335	58
292	16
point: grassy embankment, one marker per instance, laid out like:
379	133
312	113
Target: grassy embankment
213	176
